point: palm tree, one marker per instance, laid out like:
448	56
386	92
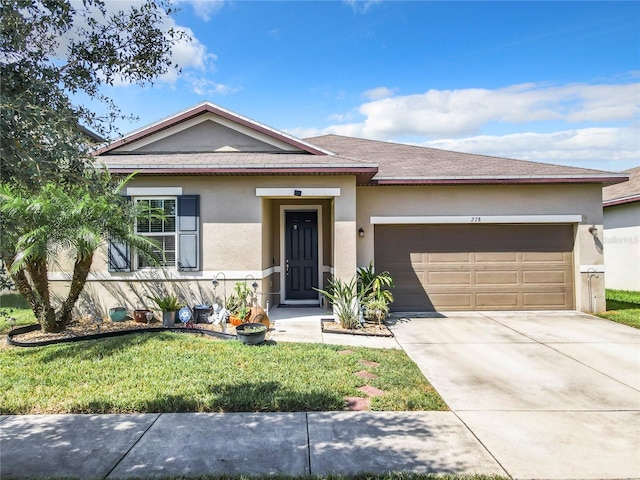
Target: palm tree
38	227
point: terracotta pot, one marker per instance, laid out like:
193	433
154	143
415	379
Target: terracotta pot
258	315
140	316
233	320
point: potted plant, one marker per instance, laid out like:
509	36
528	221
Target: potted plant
374	294
251	333
345	301
140	314
238	303
376	310
169	304
117	314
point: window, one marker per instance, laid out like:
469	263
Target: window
177	235
161	232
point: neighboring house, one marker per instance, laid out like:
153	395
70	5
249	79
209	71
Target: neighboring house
456	231
621	205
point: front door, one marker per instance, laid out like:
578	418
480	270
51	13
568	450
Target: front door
301	255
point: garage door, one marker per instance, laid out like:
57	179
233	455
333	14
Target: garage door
477	267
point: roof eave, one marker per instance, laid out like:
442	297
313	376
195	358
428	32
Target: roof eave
621	201
363	174
463	180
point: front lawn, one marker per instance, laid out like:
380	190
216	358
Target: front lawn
14	305
168	372
623	306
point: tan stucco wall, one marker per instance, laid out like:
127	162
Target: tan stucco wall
240	231
239	235
485	200
622	246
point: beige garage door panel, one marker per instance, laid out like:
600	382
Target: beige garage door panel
478	267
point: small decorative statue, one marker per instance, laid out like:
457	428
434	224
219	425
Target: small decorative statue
220	316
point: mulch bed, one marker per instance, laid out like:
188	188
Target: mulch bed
329	325
81	327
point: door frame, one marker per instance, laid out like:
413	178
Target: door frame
283	283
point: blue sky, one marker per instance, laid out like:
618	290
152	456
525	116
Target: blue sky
555	82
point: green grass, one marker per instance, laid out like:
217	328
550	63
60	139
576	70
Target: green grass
168	372
14	305
623	306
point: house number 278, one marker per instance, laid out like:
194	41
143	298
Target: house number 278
476	219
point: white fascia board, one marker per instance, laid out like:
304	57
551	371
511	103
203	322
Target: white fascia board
429	219
291	192
153	191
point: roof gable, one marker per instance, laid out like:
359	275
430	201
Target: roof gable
208	128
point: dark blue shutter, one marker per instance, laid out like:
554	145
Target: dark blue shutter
118	255
188	232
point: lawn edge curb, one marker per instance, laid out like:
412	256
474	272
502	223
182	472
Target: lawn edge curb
95	336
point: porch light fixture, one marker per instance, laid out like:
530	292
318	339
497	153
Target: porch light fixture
361	232
593	231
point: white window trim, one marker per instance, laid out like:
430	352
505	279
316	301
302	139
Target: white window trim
153	191
320	192
280	268
429	219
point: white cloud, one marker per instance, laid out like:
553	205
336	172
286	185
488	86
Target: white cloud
615	148
361	6
205	87
188	55
205	9
378	93
452	113
594	126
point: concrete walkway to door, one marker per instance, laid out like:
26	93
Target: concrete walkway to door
550	395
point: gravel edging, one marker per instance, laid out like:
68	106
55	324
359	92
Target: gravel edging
116	333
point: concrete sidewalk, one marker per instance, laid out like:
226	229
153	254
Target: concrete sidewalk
146	445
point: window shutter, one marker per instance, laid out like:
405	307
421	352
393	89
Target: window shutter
188	232
119	255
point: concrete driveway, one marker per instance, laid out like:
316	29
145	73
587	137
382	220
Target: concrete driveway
549	394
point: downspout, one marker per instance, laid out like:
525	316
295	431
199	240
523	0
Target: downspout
592	299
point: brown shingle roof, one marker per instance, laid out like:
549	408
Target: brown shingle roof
625	192
400	163
239	163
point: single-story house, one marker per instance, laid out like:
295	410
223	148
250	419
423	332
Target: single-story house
457	231
621	204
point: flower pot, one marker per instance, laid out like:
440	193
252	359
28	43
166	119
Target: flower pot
201	313
117	314
140	315
233	320
169	319
251	333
